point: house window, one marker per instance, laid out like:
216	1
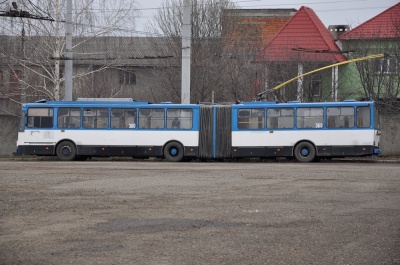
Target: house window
4	89
127	78
15	77
316	85
1	78
385	65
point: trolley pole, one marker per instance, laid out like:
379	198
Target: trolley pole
186	50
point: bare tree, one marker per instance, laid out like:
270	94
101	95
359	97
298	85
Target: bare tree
380	77
32	54
219	70
242	39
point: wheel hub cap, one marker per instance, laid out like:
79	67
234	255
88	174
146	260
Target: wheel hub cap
305	152
174	151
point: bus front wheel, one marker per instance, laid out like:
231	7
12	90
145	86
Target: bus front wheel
304	152
66	151
173	152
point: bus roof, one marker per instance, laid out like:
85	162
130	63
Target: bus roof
101	102
133	103
305	104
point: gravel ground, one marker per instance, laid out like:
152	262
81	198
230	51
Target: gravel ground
152	212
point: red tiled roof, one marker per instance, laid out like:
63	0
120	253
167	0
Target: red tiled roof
386	25
305	31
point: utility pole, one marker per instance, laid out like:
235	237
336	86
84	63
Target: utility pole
23	87
300	82
335	82
57	55
68	53
186	51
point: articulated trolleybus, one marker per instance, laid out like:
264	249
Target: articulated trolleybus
80	129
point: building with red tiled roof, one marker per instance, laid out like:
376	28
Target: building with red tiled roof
303	44
303	38
379	77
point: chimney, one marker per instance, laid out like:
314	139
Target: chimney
337	30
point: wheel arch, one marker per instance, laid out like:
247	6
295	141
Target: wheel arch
174	151
173	141
302	141
62	140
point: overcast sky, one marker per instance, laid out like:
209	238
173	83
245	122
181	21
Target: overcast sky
331	12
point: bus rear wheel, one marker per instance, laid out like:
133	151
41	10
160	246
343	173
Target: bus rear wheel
304	152
66	151
173	152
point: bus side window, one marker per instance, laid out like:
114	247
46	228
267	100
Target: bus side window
95	118
251	119
312	118
179	119
340	117
123	118
280	118
363	117
69	118
40	118
151	118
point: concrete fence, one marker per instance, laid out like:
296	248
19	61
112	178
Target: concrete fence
390	139
8	134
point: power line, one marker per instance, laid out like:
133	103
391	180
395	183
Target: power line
128	30
15	12
38	9
303	3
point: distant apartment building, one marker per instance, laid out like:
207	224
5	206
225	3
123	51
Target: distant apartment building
102	66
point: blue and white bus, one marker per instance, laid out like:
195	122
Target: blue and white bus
101	128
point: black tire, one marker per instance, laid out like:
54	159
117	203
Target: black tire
66	151
304	152
173	152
